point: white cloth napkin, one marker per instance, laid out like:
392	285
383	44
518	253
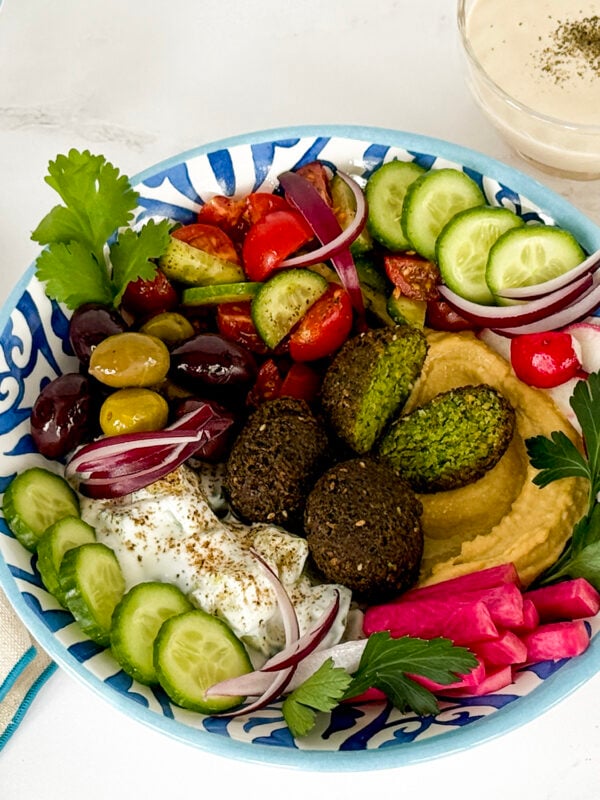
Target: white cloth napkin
24	668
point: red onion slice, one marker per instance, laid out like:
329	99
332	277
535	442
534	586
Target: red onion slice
590	265
498	317
303	196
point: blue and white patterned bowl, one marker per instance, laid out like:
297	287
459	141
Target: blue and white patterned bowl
34	350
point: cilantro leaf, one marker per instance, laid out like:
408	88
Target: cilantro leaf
97	201
132	252
322	691
73	276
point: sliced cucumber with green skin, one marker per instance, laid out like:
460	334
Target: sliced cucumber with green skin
430	203
463	247
192	652
530	255
136	622
344	208
405	311
385	192
34	500
92	582
194	267
56	540
220	293
283	300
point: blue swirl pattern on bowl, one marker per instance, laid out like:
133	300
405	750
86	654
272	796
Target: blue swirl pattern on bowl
34	350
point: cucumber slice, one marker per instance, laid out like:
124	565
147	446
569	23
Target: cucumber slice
530	255
405	311
220	293
192	652
385	192
463	246
93	584
194	267
34	500
283	300
430	203
344	208
136	622
56	540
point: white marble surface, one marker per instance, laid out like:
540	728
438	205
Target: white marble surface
139	81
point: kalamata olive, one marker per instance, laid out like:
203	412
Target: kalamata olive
62	416
209	363
130	359
133	411
89	325
170	327
143	298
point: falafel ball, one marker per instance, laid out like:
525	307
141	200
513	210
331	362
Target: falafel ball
362	524
274	462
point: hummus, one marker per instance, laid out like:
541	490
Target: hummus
503	516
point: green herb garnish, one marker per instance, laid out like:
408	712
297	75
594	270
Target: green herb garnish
558	457
87	258
385	664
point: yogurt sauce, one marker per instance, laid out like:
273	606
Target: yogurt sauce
169	532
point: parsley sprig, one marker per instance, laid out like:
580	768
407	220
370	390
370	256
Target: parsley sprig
90	254
385	664
558	457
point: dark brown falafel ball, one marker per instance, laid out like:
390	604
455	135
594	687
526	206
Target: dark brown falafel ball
275	461
362	524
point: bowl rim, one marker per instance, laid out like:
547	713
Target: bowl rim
541	699
547	119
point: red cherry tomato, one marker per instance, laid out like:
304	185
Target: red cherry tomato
144	298
209	238
267	385
271	240
222	211
234	321
301	382
258	204
325	326
442	317
545	359
415	276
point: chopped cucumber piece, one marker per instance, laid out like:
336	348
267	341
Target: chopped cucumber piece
463	247
405	311
34	500
344	208
220	293
530	255
385	192
64	535
192	652
136	622
92	582
283	300
430	203
187	264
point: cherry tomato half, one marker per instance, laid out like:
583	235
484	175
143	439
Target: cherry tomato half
144	298
325	326
222	211
267	385
442	317
545	359
301	382
209	238
258	204
234	321
271	240
415	276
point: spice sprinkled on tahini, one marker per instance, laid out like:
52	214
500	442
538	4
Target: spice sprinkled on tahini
575	45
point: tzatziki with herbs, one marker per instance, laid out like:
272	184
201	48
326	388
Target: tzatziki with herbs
168	532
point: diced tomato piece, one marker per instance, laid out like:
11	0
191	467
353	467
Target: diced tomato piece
571	599
234	321
315	173
441	316
222	211
556	640
415	276
271	240
544	360
301	382
145	298
258	204
209	238
267	385
325	326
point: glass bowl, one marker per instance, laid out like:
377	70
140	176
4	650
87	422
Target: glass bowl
566	144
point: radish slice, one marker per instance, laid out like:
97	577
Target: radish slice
301	194
500	317
590	265
588	337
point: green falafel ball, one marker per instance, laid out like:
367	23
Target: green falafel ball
452	440
370	380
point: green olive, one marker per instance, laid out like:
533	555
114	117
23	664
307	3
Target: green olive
170	327
133	411
129	359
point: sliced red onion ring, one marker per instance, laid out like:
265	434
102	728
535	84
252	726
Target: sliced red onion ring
301	194
533	292
498	317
